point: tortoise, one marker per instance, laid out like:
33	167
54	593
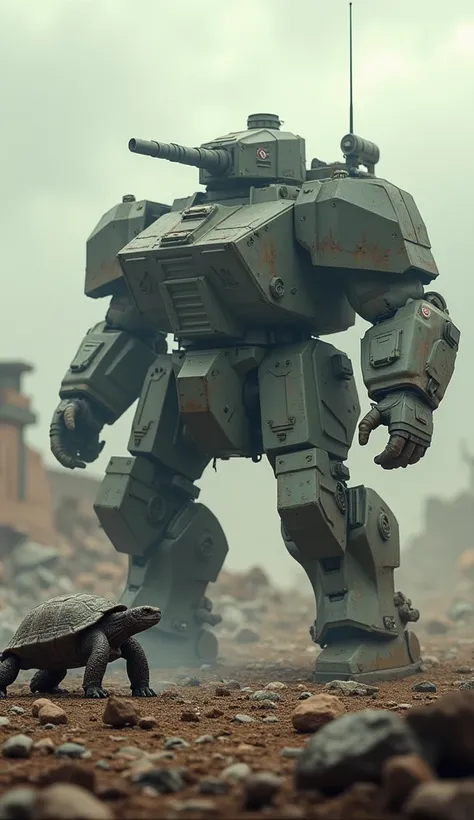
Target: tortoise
71	631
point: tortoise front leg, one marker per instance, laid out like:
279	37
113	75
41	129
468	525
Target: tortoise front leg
97	647
137	669
9	669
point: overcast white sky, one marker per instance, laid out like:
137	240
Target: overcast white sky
78	78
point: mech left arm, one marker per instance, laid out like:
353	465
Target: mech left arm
408	358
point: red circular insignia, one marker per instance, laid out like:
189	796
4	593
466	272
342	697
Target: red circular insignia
262	153
425	311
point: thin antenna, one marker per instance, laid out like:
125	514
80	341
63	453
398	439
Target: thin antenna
351	99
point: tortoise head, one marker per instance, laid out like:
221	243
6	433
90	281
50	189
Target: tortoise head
143	617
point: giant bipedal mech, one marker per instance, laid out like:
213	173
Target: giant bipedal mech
249	274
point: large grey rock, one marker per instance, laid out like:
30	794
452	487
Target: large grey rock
353	748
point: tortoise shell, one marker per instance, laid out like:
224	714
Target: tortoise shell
60	618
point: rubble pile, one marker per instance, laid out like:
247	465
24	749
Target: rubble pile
83	560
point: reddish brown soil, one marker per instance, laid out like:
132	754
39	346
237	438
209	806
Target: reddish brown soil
259	744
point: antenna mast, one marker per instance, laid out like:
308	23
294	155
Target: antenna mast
351	101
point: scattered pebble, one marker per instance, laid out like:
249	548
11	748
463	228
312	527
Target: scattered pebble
70	750
50	713
354	747
424	686
213	785
148	723
244	719
237	771
119	713
260	790
16	710
263	694
316	711
175	743
401	775
162	781
289	751
17	746
190	717
351	687
64	800
4	722
276	685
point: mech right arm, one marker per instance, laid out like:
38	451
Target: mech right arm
103	380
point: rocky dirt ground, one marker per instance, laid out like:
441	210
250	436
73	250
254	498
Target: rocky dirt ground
251	737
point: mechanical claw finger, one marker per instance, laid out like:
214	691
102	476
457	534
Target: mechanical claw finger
369	423
391	453
417	454
69	416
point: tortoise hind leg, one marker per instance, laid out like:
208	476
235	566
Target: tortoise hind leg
44	682
9	669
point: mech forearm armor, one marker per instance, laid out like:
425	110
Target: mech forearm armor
414	349
109	368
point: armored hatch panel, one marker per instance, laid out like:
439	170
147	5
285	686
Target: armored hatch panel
117	227
218	271
363	225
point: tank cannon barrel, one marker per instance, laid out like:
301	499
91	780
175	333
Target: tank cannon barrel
214	160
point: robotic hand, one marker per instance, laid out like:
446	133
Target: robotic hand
410	425
74	433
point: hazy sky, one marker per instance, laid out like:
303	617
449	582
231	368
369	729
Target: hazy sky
78	78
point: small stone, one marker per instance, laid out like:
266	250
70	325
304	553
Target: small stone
70	750
263	694
260	790
163	781
315	712
231	684
464	670
44	746
424	686
18	746
289	751
175	743
271	719
148	722
351	687
351	749
305	695
213	785
205	739
276	684
119	713
38	704
247	636
50	713
237	771
16	710
431	660
64	801
266	704
446	730
49	726
222	692
4	722
193	681
204	807
213	713
71	773
17	804
244	719
466	685
441	800
404	706
190	717
401	775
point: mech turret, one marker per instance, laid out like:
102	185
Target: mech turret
261	155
